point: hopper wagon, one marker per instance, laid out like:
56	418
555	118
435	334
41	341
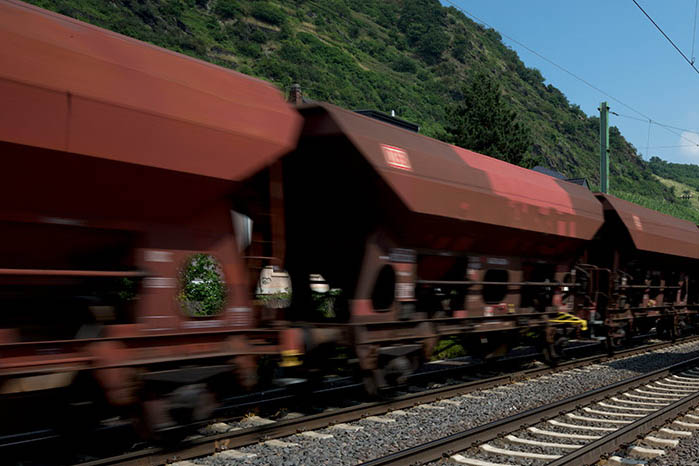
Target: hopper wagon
121	278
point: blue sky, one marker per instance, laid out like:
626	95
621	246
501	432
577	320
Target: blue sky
611	44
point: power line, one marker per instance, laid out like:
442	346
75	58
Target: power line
656	123
694	34
680	135
668	128
691	62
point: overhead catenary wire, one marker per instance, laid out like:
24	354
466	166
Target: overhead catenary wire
672	146
669	128
694	33
691	62
656	123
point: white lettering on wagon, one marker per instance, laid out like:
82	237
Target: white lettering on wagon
396	157
637	222
405	290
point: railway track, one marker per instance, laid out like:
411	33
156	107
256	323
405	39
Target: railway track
578	430
211	444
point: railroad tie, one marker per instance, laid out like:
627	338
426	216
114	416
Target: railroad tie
520	454
234	455
316	435
280	443
216	428
397	412
665	395
384	420
597	419
644	397
450	402
644	452
674	390
609	413
475	462
660	442
684	380
549	433
626	408
575	426
675	433
428	406
686	425
674	386
524	441
641	403
347	427
256	421
625	461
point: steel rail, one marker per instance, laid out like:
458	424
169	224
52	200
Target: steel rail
240	438
451	444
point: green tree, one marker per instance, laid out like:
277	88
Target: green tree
484	123
226	9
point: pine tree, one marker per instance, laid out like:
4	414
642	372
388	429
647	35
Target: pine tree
484	123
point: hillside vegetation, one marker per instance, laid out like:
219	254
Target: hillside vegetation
410	56
684	173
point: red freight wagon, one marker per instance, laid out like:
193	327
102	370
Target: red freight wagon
425	240
119	160
642	272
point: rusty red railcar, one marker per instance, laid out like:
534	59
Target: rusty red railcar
119	164
426	240
642	273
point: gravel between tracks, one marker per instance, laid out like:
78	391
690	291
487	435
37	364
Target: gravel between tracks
419	425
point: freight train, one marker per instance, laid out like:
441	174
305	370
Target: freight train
171	230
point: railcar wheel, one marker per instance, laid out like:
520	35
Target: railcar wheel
167	418
666	328
551	356
392	373
615	340
552	346
372	382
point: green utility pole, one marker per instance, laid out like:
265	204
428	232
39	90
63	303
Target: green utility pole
604	147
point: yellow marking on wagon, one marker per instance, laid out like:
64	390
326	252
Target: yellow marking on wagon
565	318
